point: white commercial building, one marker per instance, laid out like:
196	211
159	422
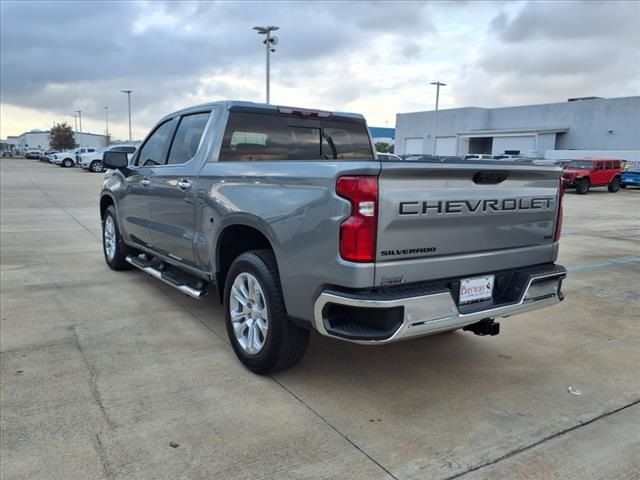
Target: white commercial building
577	128
40	139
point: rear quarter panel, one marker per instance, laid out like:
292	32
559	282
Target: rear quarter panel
294	204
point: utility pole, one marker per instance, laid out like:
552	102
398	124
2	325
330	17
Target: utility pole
128	92
438	84
79	112
106	121
269	43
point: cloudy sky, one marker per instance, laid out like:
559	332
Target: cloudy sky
371	57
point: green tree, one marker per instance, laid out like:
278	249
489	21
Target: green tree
384	147
61	137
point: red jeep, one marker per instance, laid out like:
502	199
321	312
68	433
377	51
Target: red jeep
592	172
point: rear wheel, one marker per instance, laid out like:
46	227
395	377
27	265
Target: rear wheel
614	186
259	329
582	186
96	166
67	162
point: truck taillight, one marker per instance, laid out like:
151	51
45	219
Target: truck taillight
556	237
358	232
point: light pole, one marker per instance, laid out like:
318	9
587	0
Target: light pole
438	84
79	112
269	43
106	122
128	92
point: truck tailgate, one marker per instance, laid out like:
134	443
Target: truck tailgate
458	211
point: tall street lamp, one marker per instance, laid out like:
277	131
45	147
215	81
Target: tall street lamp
438	84
128	92
106	123
79	112
269	42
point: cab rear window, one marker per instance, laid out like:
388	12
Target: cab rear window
272	137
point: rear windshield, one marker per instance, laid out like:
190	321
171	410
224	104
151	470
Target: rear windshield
268	137
579	164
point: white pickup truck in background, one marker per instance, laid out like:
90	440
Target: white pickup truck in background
68	157
92	161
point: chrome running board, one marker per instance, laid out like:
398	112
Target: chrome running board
169	278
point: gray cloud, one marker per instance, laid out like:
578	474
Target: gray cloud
559	20
60	56
550	51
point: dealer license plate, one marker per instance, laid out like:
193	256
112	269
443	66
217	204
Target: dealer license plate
476	289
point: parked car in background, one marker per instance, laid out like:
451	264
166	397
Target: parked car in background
478	156
46	156
68	158
547	161
505	156
630	178
418	157
388	156
92	161
7	153
583	174
33	154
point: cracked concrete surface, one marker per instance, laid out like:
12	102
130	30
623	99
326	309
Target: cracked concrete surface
101	370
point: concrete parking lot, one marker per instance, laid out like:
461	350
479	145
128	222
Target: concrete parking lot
108	375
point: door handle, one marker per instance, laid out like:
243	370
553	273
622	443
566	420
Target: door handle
184	184
145	183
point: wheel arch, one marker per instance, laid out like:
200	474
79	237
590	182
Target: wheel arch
106	201
233	240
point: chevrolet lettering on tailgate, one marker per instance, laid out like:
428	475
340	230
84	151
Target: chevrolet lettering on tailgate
445	207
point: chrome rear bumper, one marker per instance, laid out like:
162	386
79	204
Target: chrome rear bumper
431	312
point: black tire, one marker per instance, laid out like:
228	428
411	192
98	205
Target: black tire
118	260
614	186
623	186
96	166
67	163
582	186
284	344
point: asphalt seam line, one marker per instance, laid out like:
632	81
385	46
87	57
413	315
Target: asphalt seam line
520	450
93	377
351	442
277	382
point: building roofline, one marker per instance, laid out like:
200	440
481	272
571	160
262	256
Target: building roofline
566	102
48	131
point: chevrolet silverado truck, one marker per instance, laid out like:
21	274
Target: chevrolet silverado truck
289	215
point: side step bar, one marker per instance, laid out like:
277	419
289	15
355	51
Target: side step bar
167	277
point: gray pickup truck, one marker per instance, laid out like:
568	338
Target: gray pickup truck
298	225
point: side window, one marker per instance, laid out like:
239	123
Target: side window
92	150
609	165
616	165
345	142
598	166
185	144
154	151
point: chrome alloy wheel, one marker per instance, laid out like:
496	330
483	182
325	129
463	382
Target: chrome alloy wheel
249	314
109	237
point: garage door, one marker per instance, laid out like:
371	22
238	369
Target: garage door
413	145
526	144
447	146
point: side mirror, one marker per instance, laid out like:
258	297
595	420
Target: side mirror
115	160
